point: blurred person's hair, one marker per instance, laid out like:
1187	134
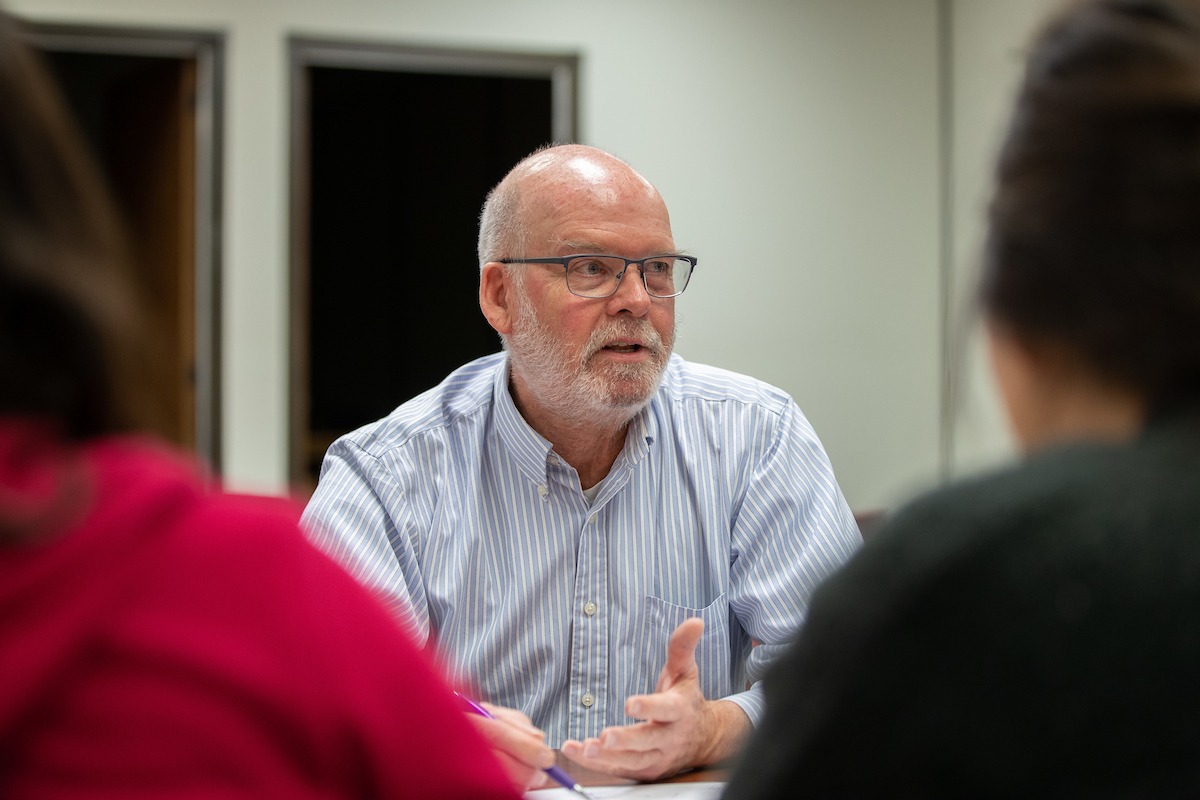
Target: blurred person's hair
74	359
71	346
1094	240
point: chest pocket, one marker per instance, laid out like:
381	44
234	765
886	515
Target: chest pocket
712	653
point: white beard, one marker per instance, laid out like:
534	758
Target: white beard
581	388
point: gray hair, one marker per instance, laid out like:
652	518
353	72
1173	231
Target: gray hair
501	224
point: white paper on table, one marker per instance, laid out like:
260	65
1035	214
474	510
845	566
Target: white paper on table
642	791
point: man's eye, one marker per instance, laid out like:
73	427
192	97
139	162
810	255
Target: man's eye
591	267
658	267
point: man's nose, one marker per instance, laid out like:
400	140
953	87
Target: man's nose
631	293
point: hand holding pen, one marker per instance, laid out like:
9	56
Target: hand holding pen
522	746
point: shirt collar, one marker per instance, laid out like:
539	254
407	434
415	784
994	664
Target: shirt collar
642	430
529	449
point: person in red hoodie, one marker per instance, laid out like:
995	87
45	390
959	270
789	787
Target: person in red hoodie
159	638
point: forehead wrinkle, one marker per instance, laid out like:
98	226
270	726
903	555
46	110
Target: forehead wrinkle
580	245
585	247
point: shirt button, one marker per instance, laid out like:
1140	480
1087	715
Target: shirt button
589	608
591	519
587	701
543	491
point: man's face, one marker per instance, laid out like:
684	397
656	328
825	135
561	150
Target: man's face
593	358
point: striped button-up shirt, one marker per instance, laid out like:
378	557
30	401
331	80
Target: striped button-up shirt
722	505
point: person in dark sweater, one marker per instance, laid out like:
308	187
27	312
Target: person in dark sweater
1036	632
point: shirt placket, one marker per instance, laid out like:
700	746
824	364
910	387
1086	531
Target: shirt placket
589	645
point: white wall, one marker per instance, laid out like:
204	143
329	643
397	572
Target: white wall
990	41
806	182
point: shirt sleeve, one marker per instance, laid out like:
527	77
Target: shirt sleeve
752	701
791	531
361	516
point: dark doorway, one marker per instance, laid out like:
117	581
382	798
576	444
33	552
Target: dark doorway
401	163
146	103
398	164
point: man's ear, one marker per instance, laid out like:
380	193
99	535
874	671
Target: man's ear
494	297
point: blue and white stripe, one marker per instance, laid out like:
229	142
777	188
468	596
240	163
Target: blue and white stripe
722	505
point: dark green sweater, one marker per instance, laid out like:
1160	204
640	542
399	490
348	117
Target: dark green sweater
1032	633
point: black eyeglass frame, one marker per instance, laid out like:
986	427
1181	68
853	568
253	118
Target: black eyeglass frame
564	261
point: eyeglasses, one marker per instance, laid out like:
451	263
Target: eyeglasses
599	276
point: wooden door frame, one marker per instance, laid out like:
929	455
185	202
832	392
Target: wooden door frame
207	48
305	52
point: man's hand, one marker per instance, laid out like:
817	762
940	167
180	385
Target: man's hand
681	728
518	745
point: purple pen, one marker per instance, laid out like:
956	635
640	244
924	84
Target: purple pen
556	772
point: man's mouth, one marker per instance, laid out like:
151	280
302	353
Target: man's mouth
623	347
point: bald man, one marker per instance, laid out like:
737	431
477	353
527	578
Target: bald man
601	539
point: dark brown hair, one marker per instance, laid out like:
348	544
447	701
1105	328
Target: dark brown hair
70	350
1094	240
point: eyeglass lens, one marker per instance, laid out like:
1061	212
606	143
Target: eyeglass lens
598	276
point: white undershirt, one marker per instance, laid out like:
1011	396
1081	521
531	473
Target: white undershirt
591	493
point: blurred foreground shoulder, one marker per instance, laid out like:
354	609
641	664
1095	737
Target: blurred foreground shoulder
214	651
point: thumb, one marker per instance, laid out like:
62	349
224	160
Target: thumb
681	653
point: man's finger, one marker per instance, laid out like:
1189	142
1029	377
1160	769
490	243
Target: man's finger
681	652
656	707
641	764
640	737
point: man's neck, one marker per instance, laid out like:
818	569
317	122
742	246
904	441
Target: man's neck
591	452
590	449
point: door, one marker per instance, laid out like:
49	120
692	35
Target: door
394	151
147	103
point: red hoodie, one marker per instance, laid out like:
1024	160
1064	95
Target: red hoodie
175	642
